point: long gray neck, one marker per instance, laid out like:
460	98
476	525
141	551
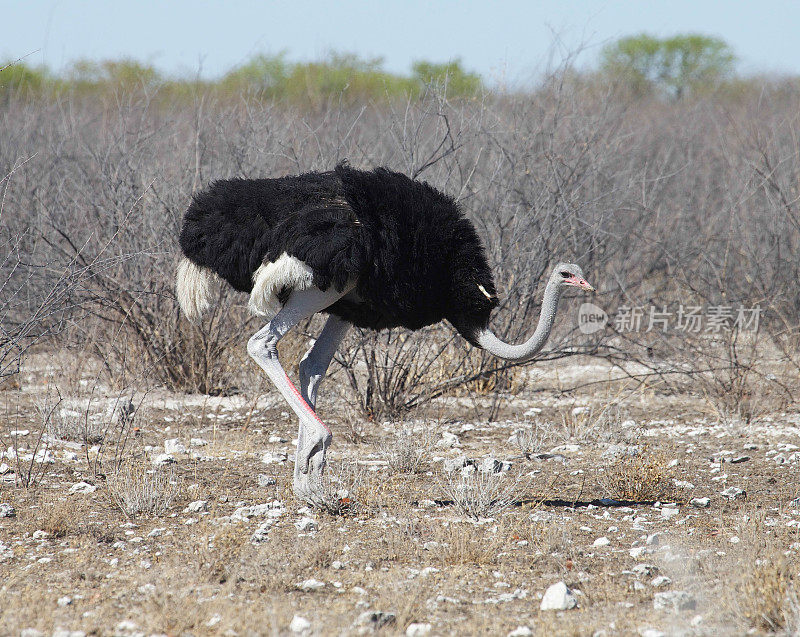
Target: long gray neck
488	341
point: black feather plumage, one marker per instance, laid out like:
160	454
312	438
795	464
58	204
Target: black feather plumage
414	256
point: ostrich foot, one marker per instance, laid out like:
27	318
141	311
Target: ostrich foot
312	445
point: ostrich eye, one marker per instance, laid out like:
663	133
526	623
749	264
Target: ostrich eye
566	274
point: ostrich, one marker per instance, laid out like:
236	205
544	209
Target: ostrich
375	249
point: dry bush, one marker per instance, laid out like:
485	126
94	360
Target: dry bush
644	477
68	424
484	495
595	422
763	574
219	553
767	599
409	449
60	518
533	437
344	487
138	488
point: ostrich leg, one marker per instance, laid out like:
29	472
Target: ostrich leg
313	437
316	361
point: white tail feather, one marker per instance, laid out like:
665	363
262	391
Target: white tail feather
194	288
271	278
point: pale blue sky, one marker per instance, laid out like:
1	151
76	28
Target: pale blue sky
507	41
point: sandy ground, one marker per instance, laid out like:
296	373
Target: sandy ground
656	515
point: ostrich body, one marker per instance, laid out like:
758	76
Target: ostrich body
374	249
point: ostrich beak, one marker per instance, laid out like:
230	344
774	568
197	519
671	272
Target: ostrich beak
580	283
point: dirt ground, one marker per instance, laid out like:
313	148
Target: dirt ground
659	516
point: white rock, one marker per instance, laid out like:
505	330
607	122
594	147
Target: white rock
654	539
448	440
7	511
262	532
307	525
174	446
266	481
214	620
272	509
674	600
40	535
601	541
64	601
733	493
197	506
558	597
4	468
299	624
652	632
375	619
336	565
162	459
700	503
669	512
520	631
269	457
311	584
620	450
63	632
156	532
126	626
199	442
418	630
643	570
30	632
660	581
82	487
492	465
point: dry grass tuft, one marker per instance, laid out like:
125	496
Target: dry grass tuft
484	495
595	422
343	488
59	519
463	543
219	553
645	477
533	437
66	424
409	451
138	488
768	597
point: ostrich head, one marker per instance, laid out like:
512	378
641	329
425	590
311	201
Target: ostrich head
570	275
563	277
